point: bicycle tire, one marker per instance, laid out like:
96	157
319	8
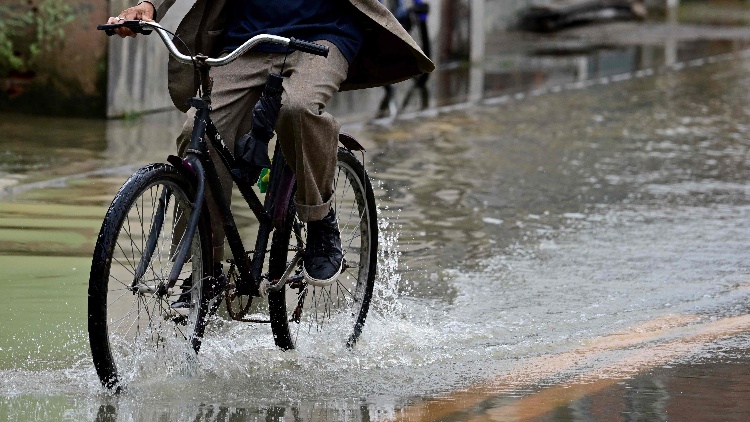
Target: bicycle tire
134	329
344	304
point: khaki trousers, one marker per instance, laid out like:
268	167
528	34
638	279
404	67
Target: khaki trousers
308	134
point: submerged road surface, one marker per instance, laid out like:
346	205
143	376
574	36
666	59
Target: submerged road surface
564	256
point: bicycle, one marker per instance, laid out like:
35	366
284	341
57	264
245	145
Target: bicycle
155	243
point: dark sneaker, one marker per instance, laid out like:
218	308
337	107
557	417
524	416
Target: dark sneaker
215	286
323	255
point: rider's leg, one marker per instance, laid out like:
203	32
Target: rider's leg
309	138
308	134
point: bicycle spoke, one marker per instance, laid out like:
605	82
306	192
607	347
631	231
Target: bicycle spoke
130	238
126	315
124	292
354	234
347	291
127	267
126	285
166	311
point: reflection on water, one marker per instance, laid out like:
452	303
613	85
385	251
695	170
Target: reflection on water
682	391
549	65
39	152
514	235
518	63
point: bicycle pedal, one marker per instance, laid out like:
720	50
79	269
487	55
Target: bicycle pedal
296	281
264	288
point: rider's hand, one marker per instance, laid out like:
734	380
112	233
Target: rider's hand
143	12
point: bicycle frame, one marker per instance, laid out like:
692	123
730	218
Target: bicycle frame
198	165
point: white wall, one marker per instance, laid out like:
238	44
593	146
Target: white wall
137	74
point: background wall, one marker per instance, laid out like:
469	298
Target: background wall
137	67
69	79
137	76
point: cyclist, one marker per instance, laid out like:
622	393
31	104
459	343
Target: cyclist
368	47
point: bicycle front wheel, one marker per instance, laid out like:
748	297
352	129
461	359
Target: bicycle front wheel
134	323
339	309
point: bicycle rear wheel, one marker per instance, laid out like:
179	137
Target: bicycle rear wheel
340	309
132	326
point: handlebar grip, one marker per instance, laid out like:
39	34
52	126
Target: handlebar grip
133	25
309	47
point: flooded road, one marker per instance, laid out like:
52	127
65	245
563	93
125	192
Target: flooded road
570	254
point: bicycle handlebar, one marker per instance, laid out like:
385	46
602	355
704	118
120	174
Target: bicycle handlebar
142	28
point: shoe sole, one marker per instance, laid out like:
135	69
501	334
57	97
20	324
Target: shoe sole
322	283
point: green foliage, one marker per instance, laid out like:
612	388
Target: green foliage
28	33
7	58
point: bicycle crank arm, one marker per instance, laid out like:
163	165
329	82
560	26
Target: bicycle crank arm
279	284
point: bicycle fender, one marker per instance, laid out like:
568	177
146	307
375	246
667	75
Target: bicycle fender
349	142
182	166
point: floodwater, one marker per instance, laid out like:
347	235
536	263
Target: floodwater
578	252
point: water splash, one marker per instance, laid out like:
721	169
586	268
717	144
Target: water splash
388	282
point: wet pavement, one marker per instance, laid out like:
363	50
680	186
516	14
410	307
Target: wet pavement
571	247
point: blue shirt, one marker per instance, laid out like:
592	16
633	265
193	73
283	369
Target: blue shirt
309	20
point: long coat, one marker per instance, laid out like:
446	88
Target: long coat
388	54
